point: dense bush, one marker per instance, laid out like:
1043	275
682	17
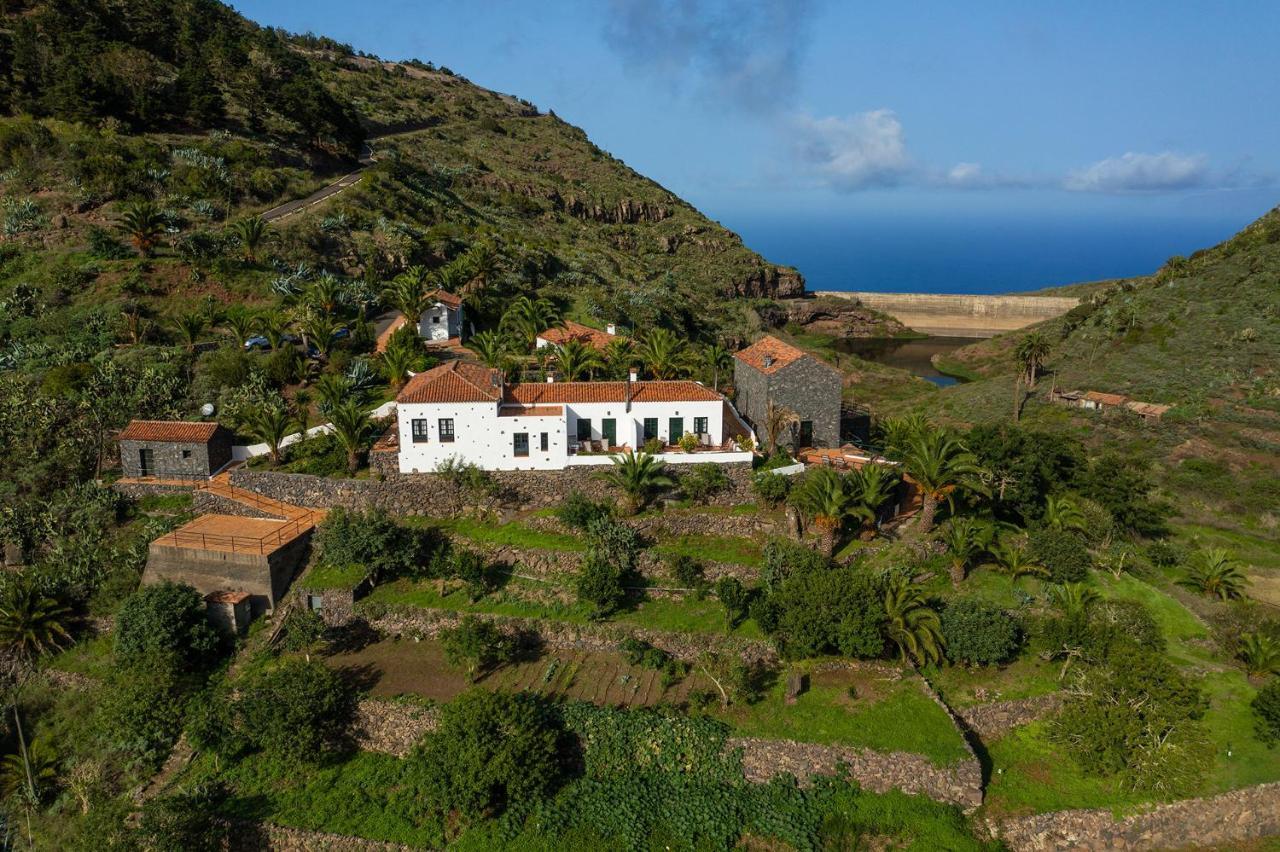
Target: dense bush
168	622
372	539
1062	552
782	558
688	572
772	488
703	481
1123	487
488	751
615	542
298	710
1138	717
141	708
600	584
1266	712
735	598
978	632
1033	464
302	629
580	511
1166	554
476	645
825	611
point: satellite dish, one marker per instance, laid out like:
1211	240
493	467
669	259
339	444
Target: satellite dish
206	410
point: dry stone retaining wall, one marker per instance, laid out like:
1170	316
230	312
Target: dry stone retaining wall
393	727
989	721
960	784
257	836
432	494
1246	814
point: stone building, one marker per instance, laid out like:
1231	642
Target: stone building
770	370
173	449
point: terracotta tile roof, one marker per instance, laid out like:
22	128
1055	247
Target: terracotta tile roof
384	336
540	393
769	354
1106	398
571	330
454	381
175	431
444	297
226	597
531	411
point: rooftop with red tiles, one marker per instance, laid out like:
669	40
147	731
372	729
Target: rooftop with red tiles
174	431
571	330
769	354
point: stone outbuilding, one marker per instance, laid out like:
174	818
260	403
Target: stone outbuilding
228	611
173	449
770	370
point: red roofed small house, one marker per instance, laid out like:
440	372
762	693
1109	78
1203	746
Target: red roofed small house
173	449
770	370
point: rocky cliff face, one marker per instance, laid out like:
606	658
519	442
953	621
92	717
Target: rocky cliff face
769	282
842	318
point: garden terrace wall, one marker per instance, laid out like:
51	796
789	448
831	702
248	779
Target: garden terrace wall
542	564
989	721
432	494
1246	814
599	638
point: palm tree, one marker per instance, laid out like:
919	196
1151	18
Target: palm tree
324	294
252	232
491	347
525	318
966	539
1213	573
31	623
718	360
575	360
619	358
318	329
871	486
825	497
482	264
397	361
333	389
407	294
143	222
637	476
269	424
777	420
1063	513
939	464
1011	554
1073	599
190	326
352	427
28	772
912	625
1030	354
1260	654
897	432
241	323
663	353
301	409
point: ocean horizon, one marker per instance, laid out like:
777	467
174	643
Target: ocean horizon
986	254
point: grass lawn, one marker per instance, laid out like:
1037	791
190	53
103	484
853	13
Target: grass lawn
514	534
713	548
885	715
91	657
1259	550
334	577
1025	677
687	615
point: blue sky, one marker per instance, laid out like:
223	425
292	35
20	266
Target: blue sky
811	109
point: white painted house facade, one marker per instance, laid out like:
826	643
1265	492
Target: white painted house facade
467	411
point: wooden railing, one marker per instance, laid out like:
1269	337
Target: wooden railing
278	537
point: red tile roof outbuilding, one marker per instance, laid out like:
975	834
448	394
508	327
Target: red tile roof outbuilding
169	431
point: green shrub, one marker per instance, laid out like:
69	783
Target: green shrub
600	583
783	558
298	710
704	481
186	821
490	750
1166	554
476	645
580	511
140	711
1123	487
1266	712
615	542
1062	552
302	629
372	539
166	622
1137	716
688	572
978	632
735	598
772	488
826	611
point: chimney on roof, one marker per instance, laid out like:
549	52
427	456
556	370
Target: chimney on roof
610	329
633	376
768	360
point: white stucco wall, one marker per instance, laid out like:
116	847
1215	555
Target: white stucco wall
440	323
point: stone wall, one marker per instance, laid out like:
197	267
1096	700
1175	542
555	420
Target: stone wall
989	721
208	503
809	387
960	784
963	315
598	638
175	458
394	727
248	836
431	494
1247	814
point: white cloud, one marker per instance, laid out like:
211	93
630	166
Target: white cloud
860	151
1164	172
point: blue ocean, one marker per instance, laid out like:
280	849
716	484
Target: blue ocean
979	254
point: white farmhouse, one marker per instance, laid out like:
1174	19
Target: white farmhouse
440	323
468	411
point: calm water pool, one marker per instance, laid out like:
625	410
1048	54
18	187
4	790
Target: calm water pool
911	355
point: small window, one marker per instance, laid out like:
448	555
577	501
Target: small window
315	603
435	320
419	431
186	454
446	429
544	443
521	444
650	428
584	429
700	426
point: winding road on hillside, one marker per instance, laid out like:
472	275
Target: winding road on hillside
350	179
